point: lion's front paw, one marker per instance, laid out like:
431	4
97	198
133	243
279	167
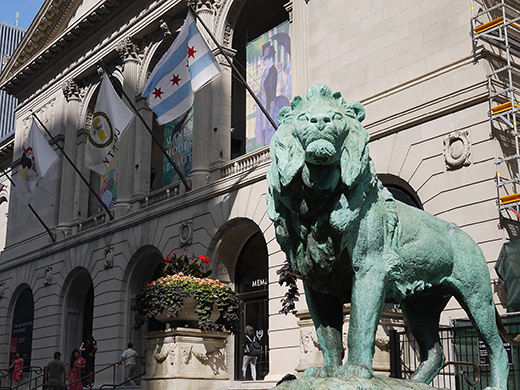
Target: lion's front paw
353	370
319	372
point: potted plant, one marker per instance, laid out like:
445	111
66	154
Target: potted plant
186	284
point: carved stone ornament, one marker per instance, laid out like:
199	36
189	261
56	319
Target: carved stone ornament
109	257
198	5
47	279
457	149
128	50
164	27
71	90
186	233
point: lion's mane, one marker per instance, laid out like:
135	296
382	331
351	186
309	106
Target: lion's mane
302	213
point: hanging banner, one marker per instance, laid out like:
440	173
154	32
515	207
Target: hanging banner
178	142
108	183
268	65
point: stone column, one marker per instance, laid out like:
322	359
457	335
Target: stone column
202	115
221	132
68	175
298	16
129	53
143	149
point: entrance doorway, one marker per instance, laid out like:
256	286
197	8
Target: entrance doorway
79	310
251	279
22	329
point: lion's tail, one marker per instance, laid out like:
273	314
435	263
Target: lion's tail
503	332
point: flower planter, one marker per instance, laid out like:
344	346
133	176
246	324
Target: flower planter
187	315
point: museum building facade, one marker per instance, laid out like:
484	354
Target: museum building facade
424	87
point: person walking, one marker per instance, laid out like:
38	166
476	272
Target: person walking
251	352
90	359
55	374
17	369
77	363
129	359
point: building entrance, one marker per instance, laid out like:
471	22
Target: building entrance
252	285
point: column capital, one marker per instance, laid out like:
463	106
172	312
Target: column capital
128	51
71	90
205	5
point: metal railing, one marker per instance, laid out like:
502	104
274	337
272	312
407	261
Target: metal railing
36	378
466	366
6	377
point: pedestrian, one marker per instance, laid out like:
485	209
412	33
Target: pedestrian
55	373
90	357
17	369
77	363
129	359
251	352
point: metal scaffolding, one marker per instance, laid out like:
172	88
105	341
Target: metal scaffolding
496	32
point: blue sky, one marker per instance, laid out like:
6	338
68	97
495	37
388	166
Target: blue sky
27	8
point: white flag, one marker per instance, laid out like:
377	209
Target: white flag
111	118
37	157
186	67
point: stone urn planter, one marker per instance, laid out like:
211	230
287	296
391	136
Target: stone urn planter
186	316
186	296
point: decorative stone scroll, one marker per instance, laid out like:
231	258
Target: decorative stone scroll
457	149
186	233
47	279
109	257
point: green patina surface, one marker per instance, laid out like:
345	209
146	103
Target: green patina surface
374	383
350	241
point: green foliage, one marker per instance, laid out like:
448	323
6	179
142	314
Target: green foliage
168	292
287	276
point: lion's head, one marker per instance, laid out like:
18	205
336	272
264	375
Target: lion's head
319	132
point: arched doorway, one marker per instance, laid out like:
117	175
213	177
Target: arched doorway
251	281
146	262
79	309
22	328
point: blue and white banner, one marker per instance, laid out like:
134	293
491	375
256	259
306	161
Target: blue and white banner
186	67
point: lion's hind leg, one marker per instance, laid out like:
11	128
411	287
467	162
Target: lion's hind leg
478	303
422	316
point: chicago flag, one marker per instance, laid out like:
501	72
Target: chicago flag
186	67
37	157
111	118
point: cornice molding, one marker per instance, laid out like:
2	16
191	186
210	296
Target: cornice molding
93	25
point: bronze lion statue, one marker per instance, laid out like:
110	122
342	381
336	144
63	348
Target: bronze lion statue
349	240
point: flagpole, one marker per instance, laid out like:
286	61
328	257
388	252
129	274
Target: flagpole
109	212
53	237
165	153
273	123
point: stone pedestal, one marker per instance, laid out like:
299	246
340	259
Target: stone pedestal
310	351
187	359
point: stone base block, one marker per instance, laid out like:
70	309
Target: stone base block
187	359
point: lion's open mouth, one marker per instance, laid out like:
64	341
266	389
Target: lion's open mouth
320	152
